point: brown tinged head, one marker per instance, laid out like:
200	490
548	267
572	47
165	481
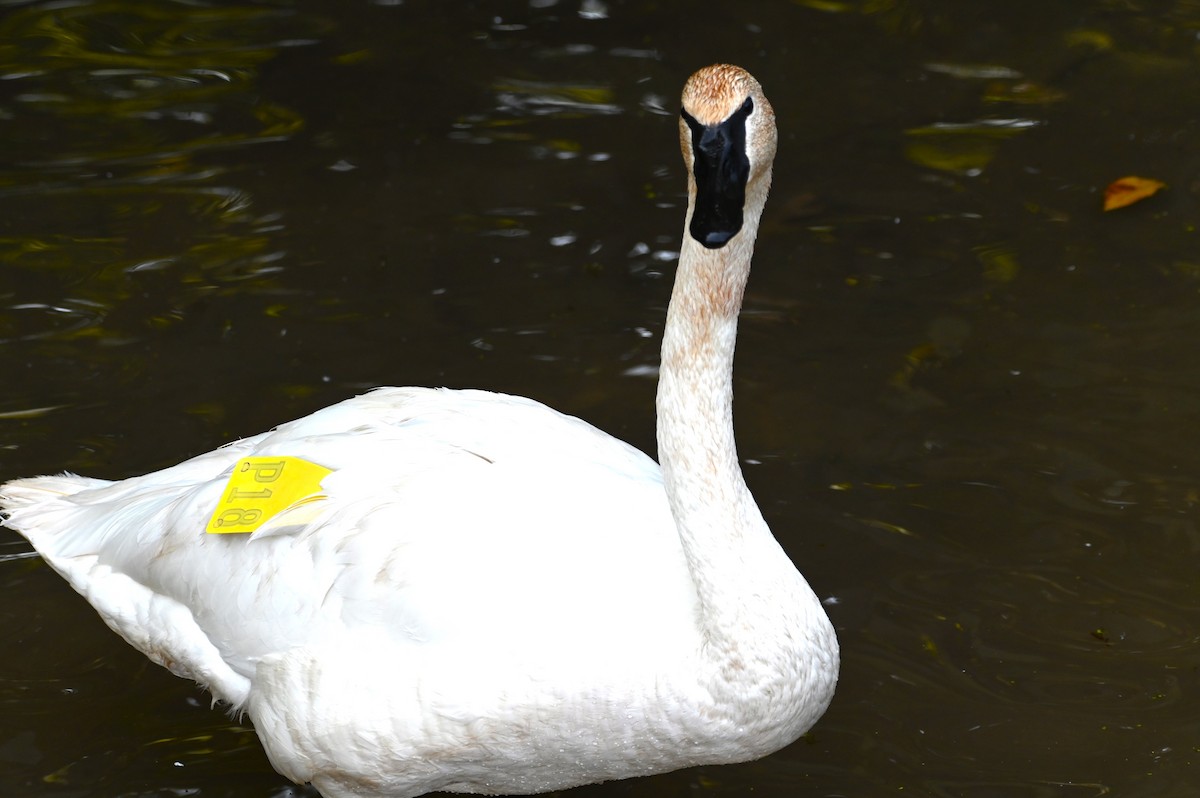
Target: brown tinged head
728	138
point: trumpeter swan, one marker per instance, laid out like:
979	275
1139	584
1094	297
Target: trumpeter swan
460	590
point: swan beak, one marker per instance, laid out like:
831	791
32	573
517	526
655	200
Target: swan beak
721	169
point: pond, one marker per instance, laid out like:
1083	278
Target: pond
965	394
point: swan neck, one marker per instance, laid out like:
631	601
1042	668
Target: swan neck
695	395
722	531
762	630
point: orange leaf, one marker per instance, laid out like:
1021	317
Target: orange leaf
1129	190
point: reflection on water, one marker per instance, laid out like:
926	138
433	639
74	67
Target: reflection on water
965	395
116	115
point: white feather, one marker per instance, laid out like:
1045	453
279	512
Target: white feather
487	595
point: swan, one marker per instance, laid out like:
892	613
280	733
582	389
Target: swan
471	592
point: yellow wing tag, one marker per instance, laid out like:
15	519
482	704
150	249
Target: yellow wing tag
260	488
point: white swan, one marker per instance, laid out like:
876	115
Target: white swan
484	595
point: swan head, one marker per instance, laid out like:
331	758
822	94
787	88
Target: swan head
727	133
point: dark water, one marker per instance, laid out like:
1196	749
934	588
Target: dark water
966	396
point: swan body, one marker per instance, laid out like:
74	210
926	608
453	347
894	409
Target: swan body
486	595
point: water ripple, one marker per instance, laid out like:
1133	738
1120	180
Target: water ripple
146	220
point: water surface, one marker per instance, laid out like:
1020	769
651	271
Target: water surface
965	395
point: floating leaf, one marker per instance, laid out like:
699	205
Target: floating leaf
1129	190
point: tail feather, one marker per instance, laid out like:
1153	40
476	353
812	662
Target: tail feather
37	508
20	494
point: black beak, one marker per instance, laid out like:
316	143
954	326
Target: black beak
721	169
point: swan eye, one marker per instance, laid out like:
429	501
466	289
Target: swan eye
740	115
